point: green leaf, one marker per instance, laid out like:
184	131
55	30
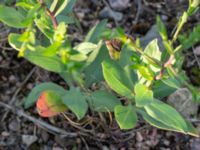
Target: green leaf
187	41
172	82
68	19
166	115
85	47
38	89
24	5
78	57
58	5
69	7
102	101
161	90
31	14
193	7
11	17
191	130
126	116
161	28
155	122
13	40
93	70
76	102
45	25
144	71
131	74
50	63
51	50
117	79
143	96
152	50
95	33
60	32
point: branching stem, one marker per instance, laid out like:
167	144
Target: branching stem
49	13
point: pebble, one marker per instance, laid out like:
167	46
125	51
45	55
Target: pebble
166	142
29	139
12	79
164	17
139	137
195	145
45	136
197	51
119	4
30	86
14	125
109	13
105	148
182	101
151	35
5	134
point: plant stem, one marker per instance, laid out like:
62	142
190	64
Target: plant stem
49	13
180	25
164	66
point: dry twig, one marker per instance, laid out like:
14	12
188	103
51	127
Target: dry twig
40	123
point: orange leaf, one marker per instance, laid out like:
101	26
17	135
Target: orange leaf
50	104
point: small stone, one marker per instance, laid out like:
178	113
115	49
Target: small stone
14	125
166	142
109	13
139	137
119	4
112	147
29	86
105	148
195	145
182	101
197	51
5	134
151	35
12	79
164	17
4	78
45	136
29	139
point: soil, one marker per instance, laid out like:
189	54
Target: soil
96	131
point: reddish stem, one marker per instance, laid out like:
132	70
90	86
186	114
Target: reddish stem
50	14
164	66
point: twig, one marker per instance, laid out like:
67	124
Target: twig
196	58
13	99
42	124
139	5
85	143
107	4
